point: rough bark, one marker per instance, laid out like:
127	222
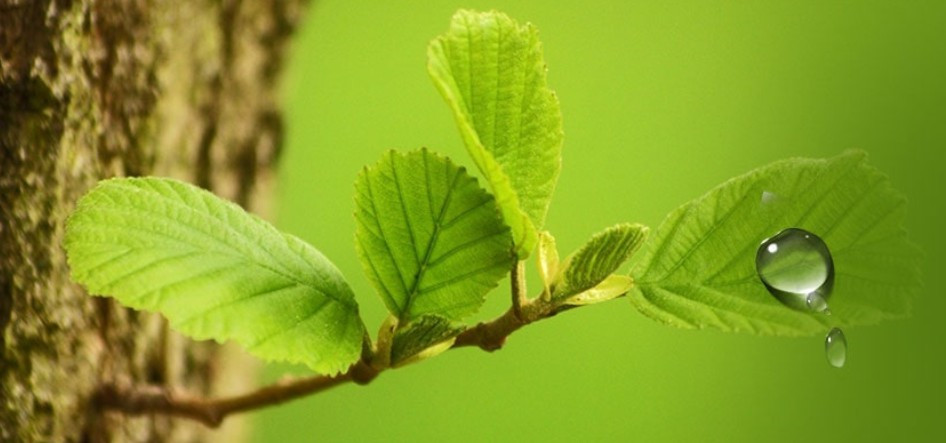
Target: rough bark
93	89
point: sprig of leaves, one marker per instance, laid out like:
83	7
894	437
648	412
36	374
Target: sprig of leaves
434	243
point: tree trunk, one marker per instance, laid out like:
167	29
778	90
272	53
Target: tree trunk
94	89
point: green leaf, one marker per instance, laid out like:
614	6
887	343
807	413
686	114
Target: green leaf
423	338
430	239
699	270
214	271
612	287
597	259
491	72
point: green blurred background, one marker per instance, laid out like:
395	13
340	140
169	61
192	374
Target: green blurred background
661	102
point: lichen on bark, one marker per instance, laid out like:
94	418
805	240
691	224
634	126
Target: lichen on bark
93	89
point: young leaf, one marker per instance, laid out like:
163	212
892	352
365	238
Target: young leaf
597	259
612	287
547	262
699	270
425	337
430	239
214	271
491	72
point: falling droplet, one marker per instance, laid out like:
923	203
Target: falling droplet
835	347
796	266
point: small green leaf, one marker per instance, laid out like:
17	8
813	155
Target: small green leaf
597	259
214	271
430	239
547	262
699	270
491	72
423	338
612	287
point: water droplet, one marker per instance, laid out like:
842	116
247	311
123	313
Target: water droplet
795	266
835	347
769	197
817	303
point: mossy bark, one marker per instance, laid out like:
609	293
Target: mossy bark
94	89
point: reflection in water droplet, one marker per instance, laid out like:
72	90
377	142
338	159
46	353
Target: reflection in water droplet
835	347
794	265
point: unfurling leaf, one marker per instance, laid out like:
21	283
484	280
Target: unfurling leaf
430	239
214	271
491	72
423	338
612	287
602	255
547	262
699	269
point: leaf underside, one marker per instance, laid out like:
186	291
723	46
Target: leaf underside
491	72
610	288
215	271
421	335
699	269
603	254
430	239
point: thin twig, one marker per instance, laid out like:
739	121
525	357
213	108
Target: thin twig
139	400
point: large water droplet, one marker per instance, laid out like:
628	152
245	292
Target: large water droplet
835	347
796	266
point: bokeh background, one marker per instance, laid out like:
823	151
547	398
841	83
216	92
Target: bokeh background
661	101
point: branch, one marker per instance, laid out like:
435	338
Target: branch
139	400
491	335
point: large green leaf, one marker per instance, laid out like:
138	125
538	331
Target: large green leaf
430	239
491	72
603	254
214	271
699	270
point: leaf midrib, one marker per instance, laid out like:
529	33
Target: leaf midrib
422	266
